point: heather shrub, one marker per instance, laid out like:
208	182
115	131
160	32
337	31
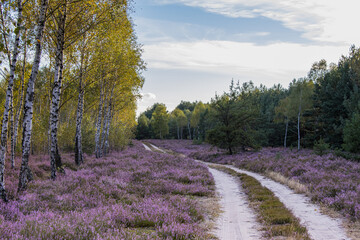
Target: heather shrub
133	194
331	179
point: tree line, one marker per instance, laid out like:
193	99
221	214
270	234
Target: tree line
321	109
70	76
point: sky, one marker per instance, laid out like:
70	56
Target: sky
194	48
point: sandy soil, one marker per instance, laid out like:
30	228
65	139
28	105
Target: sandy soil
237	221
319	226
146	147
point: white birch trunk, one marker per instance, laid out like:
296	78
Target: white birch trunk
25	172
189	129
78	137
286	131
79	116
55	158
299	114
178	131
20	105
102	141
8	104
12	157
98	123
108	122
106	128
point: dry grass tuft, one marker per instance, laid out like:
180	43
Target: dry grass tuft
293	184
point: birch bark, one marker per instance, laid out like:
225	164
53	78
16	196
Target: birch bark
20	104
107	122
25	172
98	123
178	130
299	114
55	158
107	131
8	102
189	129
286	131
79	116
12	130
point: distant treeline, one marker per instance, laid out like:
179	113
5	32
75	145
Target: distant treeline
321	109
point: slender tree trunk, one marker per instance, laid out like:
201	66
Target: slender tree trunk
286	131
79	116
12	157
8	103
55	158
181	133
299	114
98	123
298	128
25	172
15	126
230	150
108	119
78	137
189	129
106	128
103	134
178	131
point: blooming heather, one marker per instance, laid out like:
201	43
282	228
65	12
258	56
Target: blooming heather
133	194
332	180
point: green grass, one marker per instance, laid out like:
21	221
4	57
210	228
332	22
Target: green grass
276	219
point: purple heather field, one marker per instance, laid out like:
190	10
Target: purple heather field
332	180
133	194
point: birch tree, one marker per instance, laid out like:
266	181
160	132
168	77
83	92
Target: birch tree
8	101
83	16
195	118
25	171
180	120
17	112
159	121
284	113
98	122
300	100
55	158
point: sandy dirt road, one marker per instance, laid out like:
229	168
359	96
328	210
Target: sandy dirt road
237	220
319	226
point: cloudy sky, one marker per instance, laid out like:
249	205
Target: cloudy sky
193	48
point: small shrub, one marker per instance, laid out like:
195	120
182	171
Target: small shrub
197	142
321	147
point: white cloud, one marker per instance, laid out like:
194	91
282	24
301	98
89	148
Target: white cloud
147	97
220	56
329	21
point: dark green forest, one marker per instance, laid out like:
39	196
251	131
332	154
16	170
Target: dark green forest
319	110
